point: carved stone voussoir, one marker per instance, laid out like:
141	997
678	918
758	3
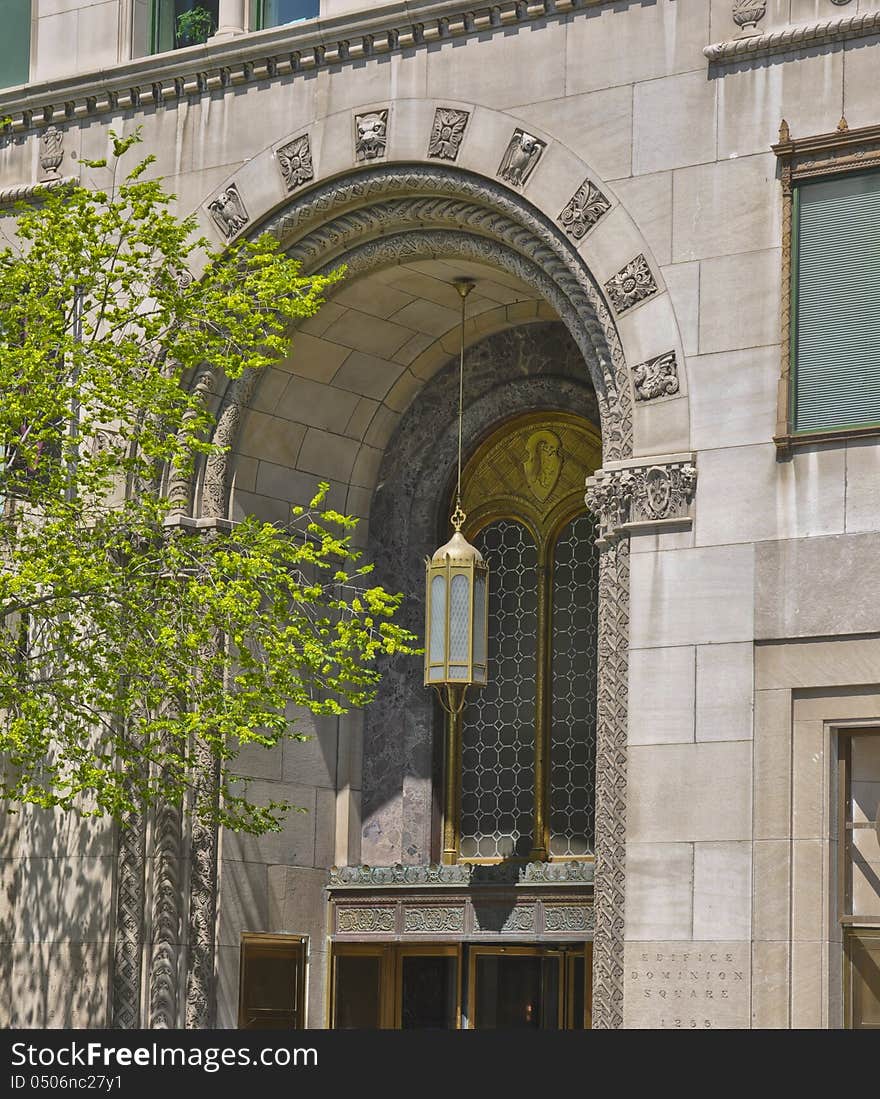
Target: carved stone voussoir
624	498
520	158
447	133
631	285
657	377
583	210
370	135
295	162
228	211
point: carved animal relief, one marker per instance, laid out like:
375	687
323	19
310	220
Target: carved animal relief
584	209
447	133
295	162
371	135
631	285
228	211
520	158
656	377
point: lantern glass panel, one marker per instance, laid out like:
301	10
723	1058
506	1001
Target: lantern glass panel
480	639
437	646
459	622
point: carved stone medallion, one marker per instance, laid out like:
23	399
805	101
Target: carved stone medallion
447	133
656	378
631	285
520	158
295	162
370	135
228	211
583	210
543	462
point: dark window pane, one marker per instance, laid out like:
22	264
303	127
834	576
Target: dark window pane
271	984
15	43
578	992
428	993
357	992
516	991
165	26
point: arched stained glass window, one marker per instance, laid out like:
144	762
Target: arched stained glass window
522	757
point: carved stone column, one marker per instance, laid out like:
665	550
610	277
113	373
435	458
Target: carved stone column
129	930
231	21
626	498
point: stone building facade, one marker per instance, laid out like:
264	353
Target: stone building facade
623	181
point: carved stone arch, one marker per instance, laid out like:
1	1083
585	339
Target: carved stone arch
410	206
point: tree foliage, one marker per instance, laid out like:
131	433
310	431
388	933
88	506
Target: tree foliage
136	655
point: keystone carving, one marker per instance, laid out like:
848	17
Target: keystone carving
295	162
447	133
631	285
520	158
584	209
371	135
228	211
622	498
656	378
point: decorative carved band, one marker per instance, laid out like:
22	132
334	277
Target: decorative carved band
627	497
129	930
504	918
825	33
365	921
22	192
433	919
461	874
568	917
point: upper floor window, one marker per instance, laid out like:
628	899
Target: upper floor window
179	23
522	757
836	299
15	43
275	13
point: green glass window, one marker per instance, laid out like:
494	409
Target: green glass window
836	303
275	13
168	33
15	43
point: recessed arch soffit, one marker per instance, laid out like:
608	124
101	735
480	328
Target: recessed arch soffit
391	213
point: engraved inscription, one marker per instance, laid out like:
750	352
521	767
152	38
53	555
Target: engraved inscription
687	986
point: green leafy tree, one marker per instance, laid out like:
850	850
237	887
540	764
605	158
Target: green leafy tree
136	654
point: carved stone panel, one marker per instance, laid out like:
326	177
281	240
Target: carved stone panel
622	498
51	152
435	919
365	921
228	211
505	918
583	210
568	917
447	133
520	158
295	162
370	135
631	285
657	377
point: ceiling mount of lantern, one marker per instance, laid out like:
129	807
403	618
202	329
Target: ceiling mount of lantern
457	591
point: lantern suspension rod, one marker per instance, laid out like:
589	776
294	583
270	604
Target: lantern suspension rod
463	285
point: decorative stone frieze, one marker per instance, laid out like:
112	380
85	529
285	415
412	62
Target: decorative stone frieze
447	133
365	921
623	499
370	135
583	210
824	33
503	918
433	919
228	211
51	152
632	284
520	158
568	917
295	162
458	875
749	13
23	192
657	377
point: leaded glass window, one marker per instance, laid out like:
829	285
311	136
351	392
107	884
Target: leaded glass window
522	756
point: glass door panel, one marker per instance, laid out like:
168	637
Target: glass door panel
516	988
428	992
357	992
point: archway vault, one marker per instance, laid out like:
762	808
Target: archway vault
558	239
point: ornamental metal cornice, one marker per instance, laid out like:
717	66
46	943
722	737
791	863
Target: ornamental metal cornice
348	39
822	33
461	875
641	496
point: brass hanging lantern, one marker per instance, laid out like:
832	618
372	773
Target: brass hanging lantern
456	592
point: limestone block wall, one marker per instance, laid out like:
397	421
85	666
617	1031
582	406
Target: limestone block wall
682	149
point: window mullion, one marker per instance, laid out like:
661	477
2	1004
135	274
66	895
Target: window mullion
540	831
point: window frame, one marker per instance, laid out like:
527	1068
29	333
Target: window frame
297	945
803	160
